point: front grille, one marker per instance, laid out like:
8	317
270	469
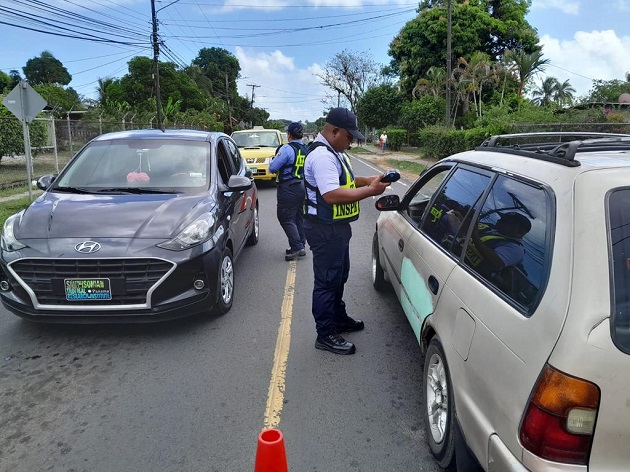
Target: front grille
131	279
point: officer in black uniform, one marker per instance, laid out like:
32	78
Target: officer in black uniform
333	195
288	165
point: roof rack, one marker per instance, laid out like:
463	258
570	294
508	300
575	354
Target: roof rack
560	151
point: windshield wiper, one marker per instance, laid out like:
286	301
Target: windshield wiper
73	189
133	190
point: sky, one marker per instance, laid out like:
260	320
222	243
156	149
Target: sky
283	45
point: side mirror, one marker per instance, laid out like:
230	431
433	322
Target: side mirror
387	203
45	181
239	183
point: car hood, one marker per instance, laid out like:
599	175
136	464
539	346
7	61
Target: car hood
254	151
56	215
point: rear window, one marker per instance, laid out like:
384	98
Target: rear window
256	139
619	220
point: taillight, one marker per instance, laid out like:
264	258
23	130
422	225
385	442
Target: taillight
560	418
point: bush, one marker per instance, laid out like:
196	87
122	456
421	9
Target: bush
396	138
438	143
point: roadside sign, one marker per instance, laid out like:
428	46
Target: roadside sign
24	102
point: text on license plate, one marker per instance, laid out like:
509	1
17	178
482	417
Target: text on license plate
87	289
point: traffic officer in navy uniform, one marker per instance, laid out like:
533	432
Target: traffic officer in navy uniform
333	193
288	165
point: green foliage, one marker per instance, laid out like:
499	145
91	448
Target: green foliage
61	99
438	143
379	106
424	111
396	138
218	66
608	90
488	27
46	69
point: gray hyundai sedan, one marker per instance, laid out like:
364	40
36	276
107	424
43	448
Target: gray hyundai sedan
139	226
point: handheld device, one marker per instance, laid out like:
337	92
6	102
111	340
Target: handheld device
392	175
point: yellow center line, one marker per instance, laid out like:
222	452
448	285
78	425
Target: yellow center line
275	396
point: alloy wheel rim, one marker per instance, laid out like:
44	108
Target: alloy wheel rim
227	280
437	398
373	268
256	222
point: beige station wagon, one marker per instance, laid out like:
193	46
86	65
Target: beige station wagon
512	265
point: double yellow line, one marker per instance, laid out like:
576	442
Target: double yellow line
275	396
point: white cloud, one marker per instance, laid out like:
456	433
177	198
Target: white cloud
566	6
589	55
286	91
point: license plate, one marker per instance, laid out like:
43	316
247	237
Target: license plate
87	289
254	170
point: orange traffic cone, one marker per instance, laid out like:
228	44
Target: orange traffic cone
270	455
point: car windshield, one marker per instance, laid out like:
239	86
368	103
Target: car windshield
256	139
136	165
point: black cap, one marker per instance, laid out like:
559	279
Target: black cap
295	129
344	118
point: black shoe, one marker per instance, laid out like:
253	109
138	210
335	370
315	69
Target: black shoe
335	344
350	324
301	252
291	256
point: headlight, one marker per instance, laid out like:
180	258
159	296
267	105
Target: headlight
268	160
8	240
195	233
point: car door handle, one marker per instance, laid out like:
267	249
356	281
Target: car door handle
434	285
401	245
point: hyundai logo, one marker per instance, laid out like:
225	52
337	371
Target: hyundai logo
87	247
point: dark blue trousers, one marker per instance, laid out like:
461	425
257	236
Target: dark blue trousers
290	206
330	245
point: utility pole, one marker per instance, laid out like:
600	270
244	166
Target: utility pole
448	64
253	86
227	96
156	65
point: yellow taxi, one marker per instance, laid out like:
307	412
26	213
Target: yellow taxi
258	147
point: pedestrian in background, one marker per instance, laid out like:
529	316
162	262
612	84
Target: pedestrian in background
383	140
333	194
288	165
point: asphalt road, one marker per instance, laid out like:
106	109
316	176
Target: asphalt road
191	395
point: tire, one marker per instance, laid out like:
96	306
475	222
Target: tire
378	275
225	283
439	412
252	240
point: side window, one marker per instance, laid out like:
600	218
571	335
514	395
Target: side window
619	222
508	242
224	161
420	196
235	156
450	214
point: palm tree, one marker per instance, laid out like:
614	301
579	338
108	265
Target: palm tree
545	93
564	93
434	83
525	65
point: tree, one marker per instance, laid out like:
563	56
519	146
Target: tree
379	106
218	66
46	69
608	90
61	99
350	75
490	26
564	93
424	111
5	81
525	65
434	83
544	93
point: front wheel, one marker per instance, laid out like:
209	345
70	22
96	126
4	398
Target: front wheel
225	283
439	417
253	237
378	275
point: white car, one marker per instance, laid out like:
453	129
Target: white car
512	265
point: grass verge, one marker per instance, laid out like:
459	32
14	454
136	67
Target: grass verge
11	207
409	167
